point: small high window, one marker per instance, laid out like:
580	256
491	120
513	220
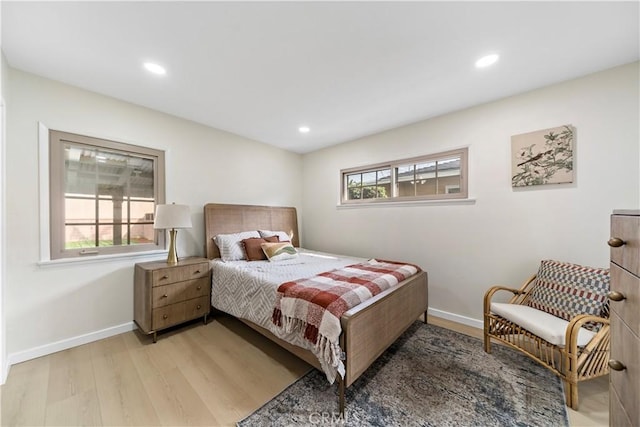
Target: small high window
437	176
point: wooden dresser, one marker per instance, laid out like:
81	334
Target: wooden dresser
165	295
624	396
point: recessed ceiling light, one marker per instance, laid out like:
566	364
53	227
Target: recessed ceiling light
485	61
304	129
155	68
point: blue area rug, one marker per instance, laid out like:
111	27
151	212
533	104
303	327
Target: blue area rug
429	377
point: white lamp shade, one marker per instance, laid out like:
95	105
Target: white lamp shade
172	216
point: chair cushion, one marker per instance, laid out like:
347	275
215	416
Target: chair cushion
547	326
566	290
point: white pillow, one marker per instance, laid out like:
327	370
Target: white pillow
230	245
282	235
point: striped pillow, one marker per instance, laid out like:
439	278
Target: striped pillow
566	290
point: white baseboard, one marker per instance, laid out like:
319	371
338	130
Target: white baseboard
475	323
54	347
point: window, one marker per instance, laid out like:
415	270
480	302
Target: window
373	184
438	176
103	196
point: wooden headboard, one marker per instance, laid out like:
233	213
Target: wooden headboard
226	219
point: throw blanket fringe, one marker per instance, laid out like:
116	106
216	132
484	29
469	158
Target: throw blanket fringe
312	307
323	347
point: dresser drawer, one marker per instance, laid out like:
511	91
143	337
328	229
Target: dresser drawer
198	307
626	228
196	288
169	315
165	276
168	294
625	383
629	286
617	415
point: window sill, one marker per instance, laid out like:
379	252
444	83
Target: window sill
448	202
151	255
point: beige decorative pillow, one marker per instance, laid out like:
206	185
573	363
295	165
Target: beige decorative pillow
279	251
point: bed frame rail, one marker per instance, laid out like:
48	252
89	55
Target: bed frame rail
370	328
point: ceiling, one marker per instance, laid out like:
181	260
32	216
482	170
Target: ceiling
344	69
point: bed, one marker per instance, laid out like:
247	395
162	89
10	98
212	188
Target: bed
367	329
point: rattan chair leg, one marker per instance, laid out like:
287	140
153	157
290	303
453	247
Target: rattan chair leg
487	343
571	395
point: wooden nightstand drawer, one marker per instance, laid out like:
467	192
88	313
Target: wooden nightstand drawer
196	288
168	294
165	276
197	307
169	315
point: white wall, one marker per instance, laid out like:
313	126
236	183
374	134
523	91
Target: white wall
503	236
49	307
4	369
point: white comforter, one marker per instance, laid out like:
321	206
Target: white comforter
248	290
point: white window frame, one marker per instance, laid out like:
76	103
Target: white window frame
47	254
463	194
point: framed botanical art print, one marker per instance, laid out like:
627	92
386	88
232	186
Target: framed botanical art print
542	157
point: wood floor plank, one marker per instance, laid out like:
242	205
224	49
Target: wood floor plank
70	374
259	374
215	386
218	387
176	402
153	359
122	395
24	398
80	409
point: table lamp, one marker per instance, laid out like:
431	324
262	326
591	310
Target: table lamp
171	217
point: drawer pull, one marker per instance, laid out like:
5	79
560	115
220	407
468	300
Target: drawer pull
616	296
165	296
616	365
198	288
164	277
615	242
197	272
198	307
164	316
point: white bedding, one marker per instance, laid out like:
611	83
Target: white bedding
247	290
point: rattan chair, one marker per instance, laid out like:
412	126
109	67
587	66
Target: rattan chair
578	351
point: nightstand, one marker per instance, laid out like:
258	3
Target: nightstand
165	295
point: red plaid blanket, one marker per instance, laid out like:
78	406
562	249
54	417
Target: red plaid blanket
313	306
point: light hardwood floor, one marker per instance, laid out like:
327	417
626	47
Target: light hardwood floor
214	375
